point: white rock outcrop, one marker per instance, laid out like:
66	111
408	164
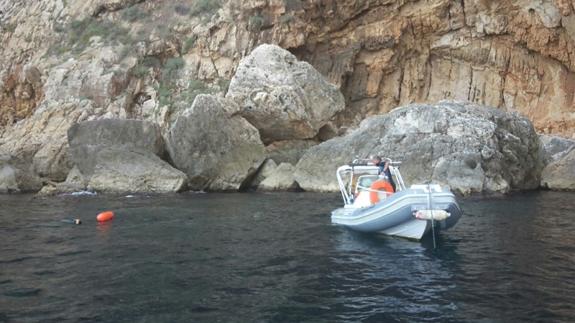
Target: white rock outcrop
217	148
469	147
282	97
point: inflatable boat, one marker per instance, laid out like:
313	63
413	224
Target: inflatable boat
372	204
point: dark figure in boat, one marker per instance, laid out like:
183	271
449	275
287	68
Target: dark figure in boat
384	170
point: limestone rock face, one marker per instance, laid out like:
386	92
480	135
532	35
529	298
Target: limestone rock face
558	155
64	62
122	156
282	97
510	54
75	182
76	179
119	170
560	175
87	139
41	141
289	151
281	179
8	183
266	170
554	148
214	146
22	93
469	147
15	176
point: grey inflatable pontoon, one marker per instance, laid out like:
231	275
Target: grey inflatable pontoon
409	212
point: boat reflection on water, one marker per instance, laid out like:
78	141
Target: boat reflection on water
379	277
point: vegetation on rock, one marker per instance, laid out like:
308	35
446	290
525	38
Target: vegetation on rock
79	33
202	7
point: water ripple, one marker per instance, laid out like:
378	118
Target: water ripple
260	258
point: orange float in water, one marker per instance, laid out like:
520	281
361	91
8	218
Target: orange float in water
105	216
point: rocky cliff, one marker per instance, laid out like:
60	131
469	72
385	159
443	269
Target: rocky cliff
515	55
471	148
62	62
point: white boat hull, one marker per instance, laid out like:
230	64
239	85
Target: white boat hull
414	229
396	215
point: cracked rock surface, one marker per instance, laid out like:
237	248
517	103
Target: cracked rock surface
471	148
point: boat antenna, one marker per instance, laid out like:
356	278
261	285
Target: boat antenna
429	206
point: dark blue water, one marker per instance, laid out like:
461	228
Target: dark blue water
276	258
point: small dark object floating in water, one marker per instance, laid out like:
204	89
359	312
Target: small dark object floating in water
72	221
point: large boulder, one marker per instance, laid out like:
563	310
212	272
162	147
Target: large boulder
553	148
16	176
469	147
283	97
122	156
75	182
288	151
40	139
558	155
8	182
266	169
560	175
280	179
118	170
217	148
51	161
87	139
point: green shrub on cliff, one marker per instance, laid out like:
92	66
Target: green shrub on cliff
286	18
293	4
195	87
167	88
134	13
172	66
140	71
143	67
224	84
164	94
79	33
256	23
198	86
162	31
152	61
201	7
169	95
9	27
182	10
189	43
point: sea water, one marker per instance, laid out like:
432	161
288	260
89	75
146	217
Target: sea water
257	257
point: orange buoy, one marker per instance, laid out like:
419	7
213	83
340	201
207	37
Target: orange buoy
105	216
379	185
